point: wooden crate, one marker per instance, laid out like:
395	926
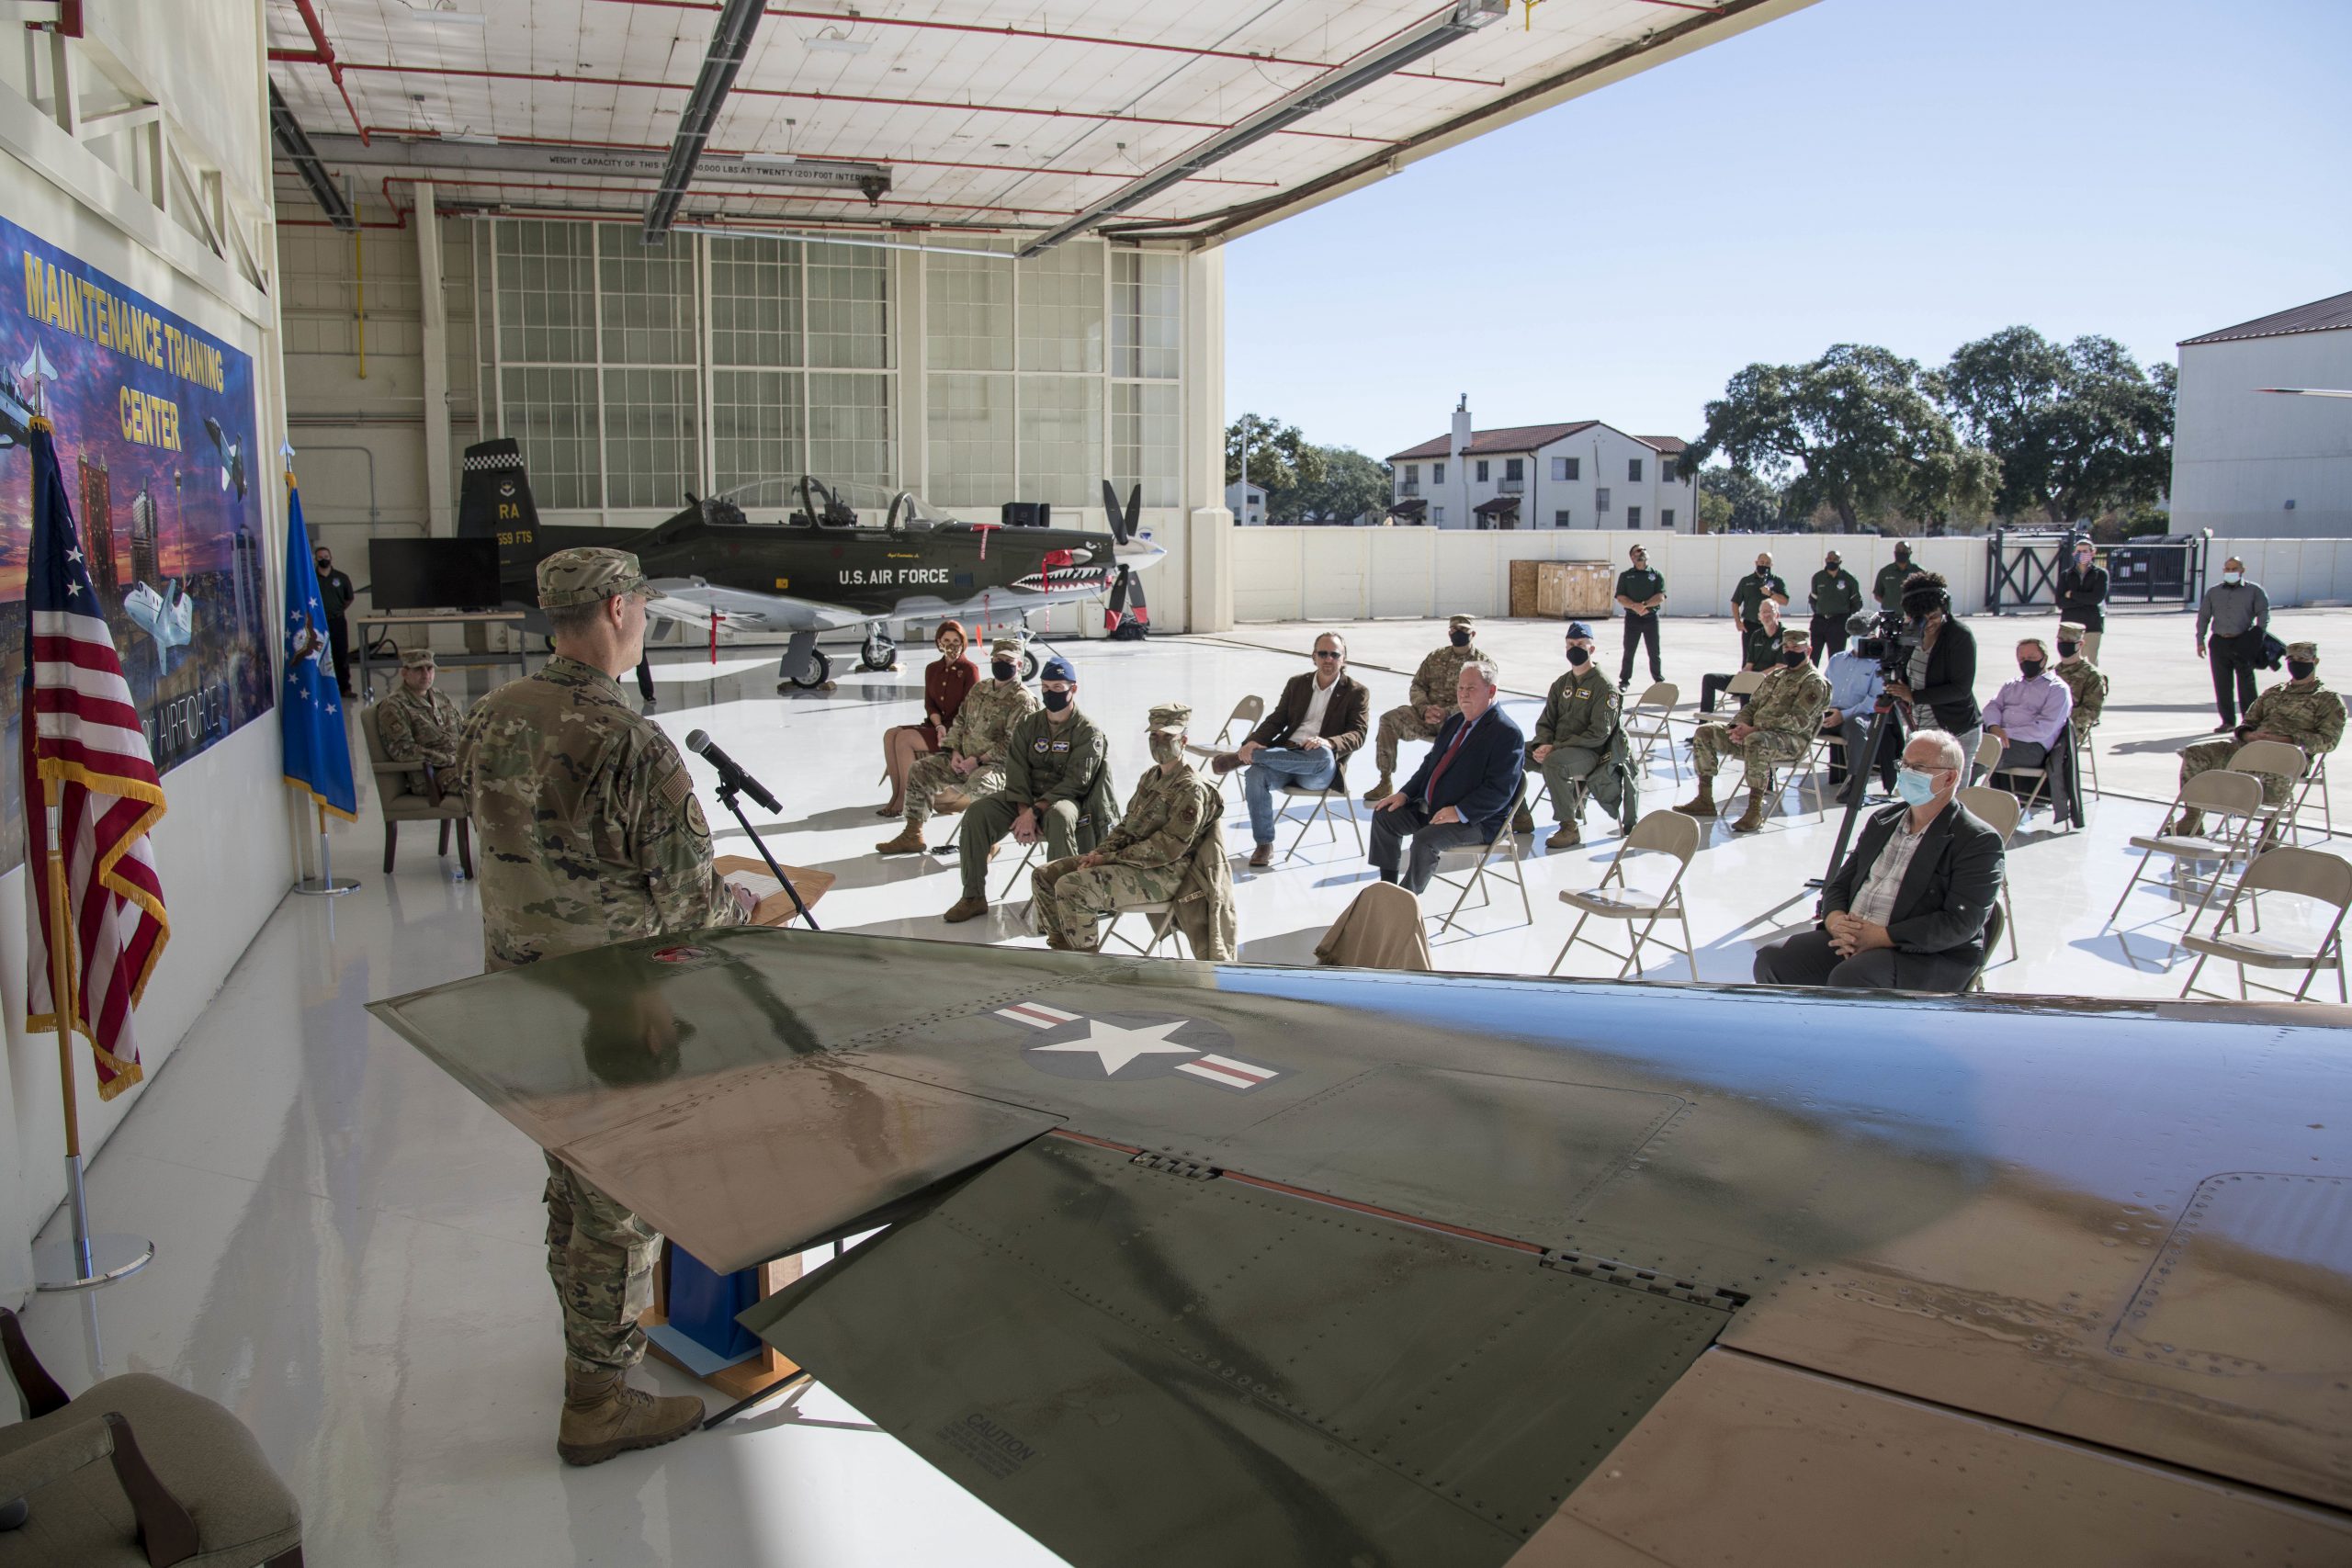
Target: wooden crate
1561	589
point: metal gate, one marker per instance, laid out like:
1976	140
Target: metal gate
2158	571
2022	566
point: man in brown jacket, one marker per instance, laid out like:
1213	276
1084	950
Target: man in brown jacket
1305	741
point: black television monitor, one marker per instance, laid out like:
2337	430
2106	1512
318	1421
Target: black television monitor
433	574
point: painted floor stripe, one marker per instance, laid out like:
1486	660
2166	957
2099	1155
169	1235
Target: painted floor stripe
1230	1065
1230	1080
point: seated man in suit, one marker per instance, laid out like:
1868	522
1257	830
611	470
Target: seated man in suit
1464	790
1906	911
1305	741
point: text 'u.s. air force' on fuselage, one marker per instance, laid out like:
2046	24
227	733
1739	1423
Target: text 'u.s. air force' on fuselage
804	556
1232	1264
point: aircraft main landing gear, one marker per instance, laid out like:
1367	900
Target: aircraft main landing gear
817	676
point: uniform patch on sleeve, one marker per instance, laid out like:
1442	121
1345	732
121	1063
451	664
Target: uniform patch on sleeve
675	787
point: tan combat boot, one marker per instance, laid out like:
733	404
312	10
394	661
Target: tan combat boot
1522	821
2187	825
908	842
1568	837
964	910
1701	803
604	1416
1381	790
1752	819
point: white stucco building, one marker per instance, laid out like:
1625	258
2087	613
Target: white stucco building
1247	502
1578	474
2249	463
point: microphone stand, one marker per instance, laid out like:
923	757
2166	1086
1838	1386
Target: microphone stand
727	798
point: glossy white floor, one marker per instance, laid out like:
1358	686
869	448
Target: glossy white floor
348	1244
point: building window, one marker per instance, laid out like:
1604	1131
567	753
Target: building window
1413	473
1665	517
1437	515
1634	470
1437	473
1600	500
1514	469
1559	518
1145	296
1482	470
1633	517
1567	469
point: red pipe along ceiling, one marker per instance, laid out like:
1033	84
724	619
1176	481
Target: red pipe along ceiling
322	52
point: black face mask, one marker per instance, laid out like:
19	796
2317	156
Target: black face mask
2068	649
1001	668
1460	639
1579	657
1055	701
2029	668
2300	669
1794	657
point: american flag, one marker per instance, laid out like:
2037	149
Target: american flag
82	734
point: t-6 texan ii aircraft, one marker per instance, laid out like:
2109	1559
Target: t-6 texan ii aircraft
1192	1263
805	557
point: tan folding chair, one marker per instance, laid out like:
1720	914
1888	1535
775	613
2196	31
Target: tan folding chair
1481	861
2228	797
1323	813
1647	726
1246	713
1160	917
1988	752
1664	832
2314	784
2273	757
1744	685
2086	757
1999	811
2305	873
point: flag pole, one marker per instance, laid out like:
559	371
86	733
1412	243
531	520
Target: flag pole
83	1260
326	885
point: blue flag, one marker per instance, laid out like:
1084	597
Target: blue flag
318	754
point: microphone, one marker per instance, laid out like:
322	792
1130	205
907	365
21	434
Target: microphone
730	772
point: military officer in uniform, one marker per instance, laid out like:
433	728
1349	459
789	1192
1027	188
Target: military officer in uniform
420	725
1833	596
1888	587
2083	678
590	835
1433	701
1749	595
2299	711
1145	859
969	763
1777	726
1574	737
1056	787
1641	595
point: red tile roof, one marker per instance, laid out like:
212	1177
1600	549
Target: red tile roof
1669	445
1514	440
2319	316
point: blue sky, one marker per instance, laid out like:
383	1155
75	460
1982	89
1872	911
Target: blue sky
1910	173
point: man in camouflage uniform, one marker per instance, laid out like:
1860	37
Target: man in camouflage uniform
1575	736
1433	701
969	763
590	835
419	725
1777	726
2299	710
2083	678
1143	859
1056	787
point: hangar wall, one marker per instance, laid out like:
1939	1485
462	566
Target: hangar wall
196	242
2245	463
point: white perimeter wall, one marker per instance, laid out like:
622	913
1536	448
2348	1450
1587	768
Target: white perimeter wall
224	850
2240	455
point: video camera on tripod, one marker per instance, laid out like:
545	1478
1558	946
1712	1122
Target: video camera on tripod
1892	639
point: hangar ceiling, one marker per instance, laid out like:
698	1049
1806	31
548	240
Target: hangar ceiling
1191	122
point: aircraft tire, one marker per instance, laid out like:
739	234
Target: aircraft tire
817	678
1028	664
880	653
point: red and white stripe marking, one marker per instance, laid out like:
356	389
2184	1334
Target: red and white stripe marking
1227	1073
1036	1015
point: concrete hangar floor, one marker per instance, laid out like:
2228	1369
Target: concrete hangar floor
352	1249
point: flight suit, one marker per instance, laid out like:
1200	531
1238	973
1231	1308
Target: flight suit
1060	769
982	731
1433	685
1150	852
1578	723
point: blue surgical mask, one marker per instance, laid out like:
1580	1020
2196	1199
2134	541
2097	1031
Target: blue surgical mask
1916	787
2233	577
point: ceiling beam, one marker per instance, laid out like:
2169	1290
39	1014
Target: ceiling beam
426	156
729	44
287	132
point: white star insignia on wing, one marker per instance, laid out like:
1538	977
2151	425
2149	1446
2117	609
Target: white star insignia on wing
1117	1046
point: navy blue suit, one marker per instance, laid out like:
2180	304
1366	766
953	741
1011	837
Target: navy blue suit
1482	783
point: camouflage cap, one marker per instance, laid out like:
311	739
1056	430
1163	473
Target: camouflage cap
1005	648
1460	623
2303	652
2070	631
589	577
416	659
1171	718
1795	637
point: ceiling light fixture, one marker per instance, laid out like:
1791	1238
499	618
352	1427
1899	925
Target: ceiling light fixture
832	42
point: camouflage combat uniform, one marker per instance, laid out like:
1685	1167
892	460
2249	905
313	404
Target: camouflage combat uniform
1059	769
1786	712
1578	723
2089	685
982	731
1149	853
2304	711
419	727
1432	688
590	834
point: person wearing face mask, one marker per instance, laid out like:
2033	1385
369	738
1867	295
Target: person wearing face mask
1056	787
2082	595
2300	710
1835	596
1752	593
1776	725
1167	849
2030	713
2237	616
1575	742
1908	908
1432	702
945	683
1887	589
2084	683
1760	655
969	763
1641	593
1939	686
335	597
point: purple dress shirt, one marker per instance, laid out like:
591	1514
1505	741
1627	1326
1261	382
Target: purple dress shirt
2034	710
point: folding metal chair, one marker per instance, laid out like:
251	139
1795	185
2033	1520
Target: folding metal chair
2226	796
2305	873
1614	899
1647	726
1161	918
1999	810
2315	784
1988	752
1505	847
2086	757
2286	761
1322	812
1246	713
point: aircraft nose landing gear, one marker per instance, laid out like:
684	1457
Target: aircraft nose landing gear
878	652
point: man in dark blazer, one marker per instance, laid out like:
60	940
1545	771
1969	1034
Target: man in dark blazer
1305	741
1464	790
1908	909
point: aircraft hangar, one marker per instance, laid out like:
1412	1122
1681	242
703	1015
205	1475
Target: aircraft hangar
848	320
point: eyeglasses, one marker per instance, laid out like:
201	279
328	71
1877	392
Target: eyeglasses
1328	653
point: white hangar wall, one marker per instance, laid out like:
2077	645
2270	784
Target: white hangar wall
2248	464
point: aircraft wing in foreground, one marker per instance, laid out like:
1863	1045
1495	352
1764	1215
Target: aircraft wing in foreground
1224	1264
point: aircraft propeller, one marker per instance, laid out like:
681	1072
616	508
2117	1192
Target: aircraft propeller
1123	523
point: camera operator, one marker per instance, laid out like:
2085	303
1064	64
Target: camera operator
1857	687
1939	675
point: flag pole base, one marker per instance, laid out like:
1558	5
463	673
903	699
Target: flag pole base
325	887
59	1265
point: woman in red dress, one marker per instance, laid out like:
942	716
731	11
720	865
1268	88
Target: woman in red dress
943	684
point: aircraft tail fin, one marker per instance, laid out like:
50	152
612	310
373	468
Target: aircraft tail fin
494	502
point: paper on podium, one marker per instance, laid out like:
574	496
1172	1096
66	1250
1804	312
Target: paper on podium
775	908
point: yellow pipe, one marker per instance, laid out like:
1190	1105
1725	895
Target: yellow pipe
359	283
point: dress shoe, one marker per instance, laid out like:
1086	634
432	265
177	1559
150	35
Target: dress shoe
1262	856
